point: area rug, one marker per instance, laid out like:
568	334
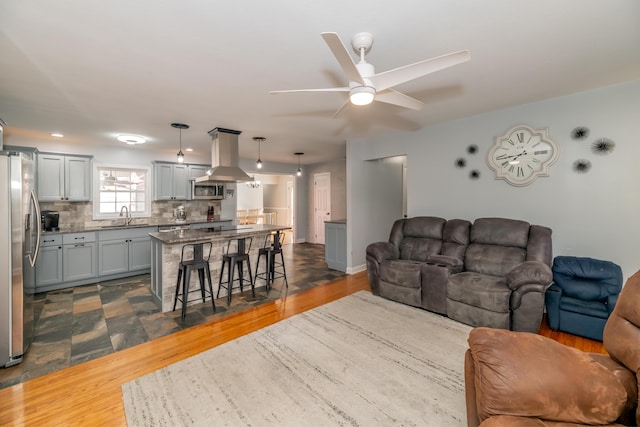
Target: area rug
359	361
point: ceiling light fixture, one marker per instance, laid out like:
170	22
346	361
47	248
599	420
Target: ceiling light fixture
254	183
259	139
180	126
299	171
131	139
57	135
362	95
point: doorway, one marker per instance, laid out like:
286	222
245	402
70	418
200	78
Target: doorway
272	196
321	204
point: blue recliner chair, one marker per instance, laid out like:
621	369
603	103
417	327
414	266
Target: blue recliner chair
582	295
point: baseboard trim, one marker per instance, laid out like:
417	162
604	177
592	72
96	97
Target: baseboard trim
356	269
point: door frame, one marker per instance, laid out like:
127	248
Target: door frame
316	215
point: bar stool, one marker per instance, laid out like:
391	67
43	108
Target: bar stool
197	262
270	249
236	260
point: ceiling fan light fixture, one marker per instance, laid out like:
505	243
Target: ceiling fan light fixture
362	95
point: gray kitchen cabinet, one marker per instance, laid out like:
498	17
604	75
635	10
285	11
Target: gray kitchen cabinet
49	262
114	256
171	181
335	248
80	256
196	171
140	253
64	177
124	250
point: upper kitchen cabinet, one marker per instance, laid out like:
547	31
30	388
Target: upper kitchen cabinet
171	181
64	177
196	171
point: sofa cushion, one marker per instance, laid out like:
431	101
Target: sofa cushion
517	373
422	236
401	272
455	238
500	231
589	308
419	248
492	259
424	226
480	290
587	278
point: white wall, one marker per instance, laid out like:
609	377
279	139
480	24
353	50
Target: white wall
592	214
249	197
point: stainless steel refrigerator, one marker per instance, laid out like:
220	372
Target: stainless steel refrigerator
19	243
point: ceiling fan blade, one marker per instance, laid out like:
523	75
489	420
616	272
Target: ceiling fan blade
400	75
344	104
342	55
331	89
390	96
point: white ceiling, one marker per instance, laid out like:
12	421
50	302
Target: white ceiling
92	69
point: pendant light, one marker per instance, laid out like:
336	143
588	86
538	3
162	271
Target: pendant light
180	126
299	171
259	139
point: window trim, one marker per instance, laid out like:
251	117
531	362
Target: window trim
96	215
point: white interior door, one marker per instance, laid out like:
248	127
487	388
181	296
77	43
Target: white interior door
321	203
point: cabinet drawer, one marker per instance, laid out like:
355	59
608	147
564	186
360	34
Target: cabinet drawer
72	238
51	240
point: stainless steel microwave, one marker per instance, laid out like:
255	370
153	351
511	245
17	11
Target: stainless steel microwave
206	191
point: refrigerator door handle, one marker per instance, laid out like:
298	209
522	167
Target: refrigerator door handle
34	256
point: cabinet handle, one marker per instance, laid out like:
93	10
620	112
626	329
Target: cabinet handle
77	245
79	238
47	241
59	247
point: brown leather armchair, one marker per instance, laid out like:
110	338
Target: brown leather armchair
524	379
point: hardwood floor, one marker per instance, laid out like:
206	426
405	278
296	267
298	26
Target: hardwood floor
89	394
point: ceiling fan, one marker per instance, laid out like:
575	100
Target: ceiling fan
365	85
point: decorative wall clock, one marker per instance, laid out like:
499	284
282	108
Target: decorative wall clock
523	154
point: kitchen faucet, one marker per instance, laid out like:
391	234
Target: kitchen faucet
127	218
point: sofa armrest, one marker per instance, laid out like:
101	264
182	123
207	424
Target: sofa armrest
509	379
445	261
552	300
381	251
530	273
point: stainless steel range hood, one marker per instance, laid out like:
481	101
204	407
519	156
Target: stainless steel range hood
224	158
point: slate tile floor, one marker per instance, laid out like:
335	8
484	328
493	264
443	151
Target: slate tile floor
78	324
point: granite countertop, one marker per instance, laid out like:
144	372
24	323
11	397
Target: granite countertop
82	228
336	221
215	233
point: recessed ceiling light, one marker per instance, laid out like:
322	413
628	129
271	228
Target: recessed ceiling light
131	139
57	135
188	149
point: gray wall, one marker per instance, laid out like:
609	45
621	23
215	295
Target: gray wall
592	214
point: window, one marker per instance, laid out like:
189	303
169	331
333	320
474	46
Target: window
116	187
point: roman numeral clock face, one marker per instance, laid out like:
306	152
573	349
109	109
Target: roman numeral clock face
522	155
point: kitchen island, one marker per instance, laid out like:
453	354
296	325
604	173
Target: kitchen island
166	250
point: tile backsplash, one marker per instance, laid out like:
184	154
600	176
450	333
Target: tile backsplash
80	214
